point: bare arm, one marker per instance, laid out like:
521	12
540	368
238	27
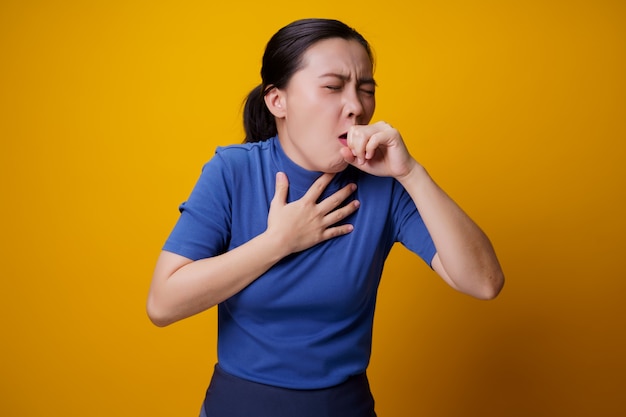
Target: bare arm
181	287
465	258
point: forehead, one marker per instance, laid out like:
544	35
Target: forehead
340	56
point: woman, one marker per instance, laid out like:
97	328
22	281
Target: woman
287	234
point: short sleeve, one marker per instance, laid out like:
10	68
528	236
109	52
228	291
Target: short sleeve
410	228
203	228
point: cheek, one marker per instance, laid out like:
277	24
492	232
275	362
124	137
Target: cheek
309	110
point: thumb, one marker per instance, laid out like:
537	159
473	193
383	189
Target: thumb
282	188
347	155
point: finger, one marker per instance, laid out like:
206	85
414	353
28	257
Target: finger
337	231
356	140
334	200
359	137
282	189
371	137
373	143
338	215
318	187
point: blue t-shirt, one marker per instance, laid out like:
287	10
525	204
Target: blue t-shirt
307	322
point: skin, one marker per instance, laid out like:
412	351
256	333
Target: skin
322	118
332	92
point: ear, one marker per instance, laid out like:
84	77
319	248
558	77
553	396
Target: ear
275	102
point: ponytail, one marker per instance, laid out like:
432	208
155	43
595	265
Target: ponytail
258	122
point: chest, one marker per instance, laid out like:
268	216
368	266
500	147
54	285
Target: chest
331	280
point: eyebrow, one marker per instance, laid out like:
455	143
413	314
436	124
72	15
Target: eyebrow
342	77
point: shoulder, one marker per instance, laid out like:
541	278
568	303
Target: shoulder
242	152
233	158
234	165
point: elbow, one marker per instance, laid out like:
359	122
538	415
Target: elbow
492	286
157	314
159	321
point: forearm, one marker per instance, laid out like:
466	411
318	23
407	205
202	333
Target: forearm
465	253
180	291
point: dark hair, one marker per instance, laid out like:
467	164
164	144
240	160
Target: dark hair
282	58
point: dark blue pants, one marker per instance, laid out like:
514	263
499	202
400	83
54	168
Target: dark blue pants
230	396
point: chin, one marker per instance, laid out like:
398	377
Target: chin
337	167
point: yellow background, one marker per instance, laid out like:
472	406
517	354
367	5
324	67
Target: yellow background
108	109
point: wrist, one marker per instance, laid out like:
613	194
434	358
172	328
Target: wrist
415	173
274	247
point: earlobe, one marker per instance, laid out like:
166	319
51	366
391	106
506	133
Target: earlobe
275	102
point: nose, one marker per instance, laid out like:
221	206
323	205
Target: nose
353	105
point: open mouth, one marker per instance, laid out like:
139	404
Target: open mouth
343	138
